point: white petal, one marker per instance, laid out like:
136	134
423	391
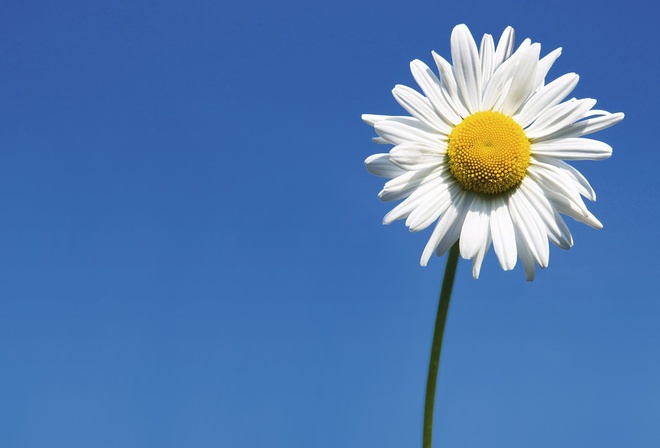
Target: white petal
418	149
505	46
416	198
403	185
503	234
558	117
417	156
475	227
447	230
523	46
454	232
419	107
487	57
479	258
413	163
397	131
556	228
582	183
498	87
432	88
562	193
523	82
568	208
545	64
450	89
372	119
587	126
436	203
573	149
381	166
556	180
526	257
467	67
546	97
530	227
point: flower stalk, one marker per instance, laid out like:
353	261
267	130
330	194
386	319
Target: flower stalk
436	347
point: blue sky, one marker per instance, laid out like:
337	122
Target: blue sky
191	251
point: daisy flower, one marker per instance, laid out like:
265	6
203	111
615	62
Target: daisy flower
482	154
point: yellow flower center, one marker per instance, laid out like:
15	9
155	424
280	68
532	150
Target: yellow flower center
488	153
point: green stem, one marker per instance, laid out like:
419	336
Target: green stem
436	348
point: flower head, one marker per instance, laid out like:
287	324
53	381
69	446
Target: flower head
483	153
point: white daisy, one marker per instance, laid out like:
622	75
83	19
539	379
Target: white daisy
482	154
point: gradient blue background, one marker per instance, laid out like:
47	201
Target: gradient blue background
192	255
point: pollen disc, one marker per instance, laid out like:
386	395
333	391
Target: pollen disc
488	153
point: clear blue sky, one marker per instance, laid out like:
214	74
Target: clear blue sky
192	255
